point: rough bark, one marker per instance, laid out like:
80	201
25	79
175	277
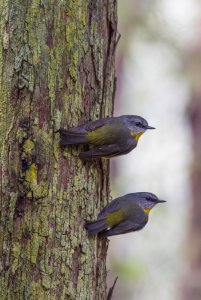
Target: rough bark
56	69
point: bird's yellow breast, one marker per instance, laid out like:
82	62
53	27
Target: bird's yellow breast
136	135
101	135
115	218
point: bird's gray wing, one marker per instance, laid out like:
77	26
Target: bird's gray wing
105	151
111	207
124	227
92	125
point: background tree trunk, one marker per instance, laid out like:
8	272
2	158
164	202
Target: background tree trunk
192	279
56	69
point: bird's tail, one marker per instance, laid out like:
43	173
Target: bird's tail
68	137
96	226
92	153
87	155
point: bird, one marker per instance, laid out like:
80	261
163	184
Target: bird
123	215
107	137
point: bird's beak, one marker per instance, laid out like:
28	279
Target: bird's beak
161	201
150	127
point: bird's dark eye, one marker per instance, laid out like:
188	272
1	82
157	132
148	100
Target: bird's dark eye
154	200
150	199
138	124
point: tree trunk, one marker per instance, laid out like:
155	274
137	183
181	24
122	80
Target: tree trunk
56	69
192	278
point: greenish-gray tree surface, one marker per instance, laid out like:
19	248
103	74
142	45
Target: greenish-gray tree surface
56	69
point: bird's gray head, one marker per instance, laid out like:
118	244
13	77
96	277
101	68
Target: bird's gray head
147	200
137	125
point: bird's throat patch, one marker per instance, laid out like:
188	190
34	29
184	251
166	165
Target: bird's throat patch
147	210
136	135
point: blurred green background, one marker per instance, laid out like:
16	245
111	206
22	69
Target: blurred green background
158	67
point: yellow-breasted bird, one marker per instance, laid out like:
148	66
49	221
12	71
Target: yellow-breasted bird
108	137
124	214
